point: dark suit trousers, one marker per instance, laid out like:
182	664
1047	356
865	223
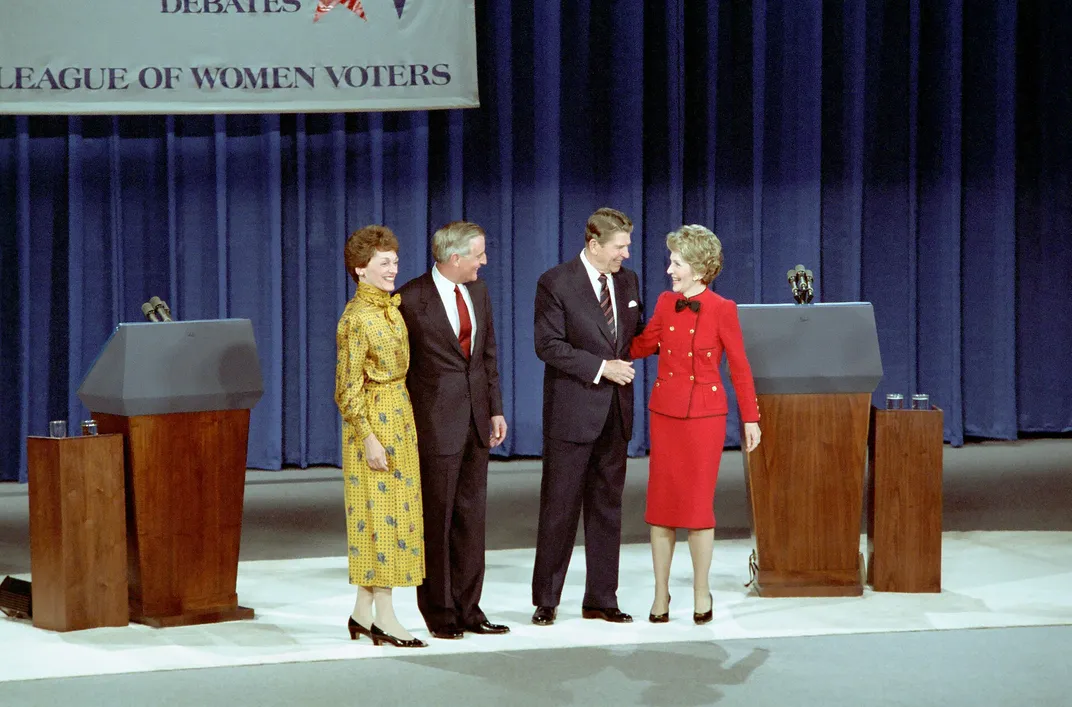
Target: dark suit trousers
454	490
591	476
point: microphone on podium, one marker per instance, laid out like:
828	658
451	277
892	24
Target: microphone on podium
161	307
150	312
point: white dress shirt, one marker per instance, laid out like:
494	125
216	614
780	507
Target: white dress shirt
450	303
597	287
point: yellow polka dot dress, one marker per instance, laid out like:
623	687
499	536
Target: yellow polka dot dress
384	518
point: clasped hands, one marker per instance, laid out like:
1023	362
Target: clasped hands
620	372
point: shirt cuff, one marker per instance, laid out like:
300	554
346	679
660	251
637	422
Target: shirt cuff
364	429
599	375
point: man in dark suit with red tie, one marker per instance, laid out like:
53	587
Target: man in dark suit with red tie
453	383
587	312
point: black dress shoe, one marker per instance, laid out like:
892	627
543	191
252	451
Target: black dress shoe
486	627
544	615
706	616
357	629
661	618
612	614
450	633
379	636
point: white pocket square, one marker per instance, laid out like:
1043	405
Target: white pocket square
632	303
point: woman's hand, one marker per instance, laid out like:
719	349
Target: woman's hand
375	454
751	436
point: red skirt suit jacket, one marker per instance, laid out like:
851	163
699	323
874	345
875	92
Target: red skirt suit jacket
688	405
690	347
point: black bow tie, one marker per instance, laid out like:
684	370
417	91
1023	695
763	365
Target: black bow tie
692	304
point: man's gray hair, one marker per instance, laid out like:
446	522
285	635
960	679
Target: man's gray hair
453	239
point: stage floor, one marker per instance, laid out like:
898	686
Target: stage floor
990	579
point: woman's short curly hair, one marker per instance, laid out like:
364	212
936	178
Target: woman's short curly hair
366	242
698	247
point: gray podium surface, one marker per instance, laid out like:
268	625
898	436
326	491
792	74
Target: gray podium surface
150	368
812	348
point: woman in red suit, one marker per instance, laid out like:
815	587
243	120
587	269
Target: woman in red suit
690	330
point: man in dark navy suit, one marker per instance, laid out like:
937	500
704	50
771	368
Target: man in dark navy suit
587	312
453	382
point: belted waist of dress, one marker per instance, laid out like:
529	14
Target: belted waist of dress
386	384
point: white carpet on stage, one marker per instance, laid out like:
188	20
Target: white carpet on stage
990	579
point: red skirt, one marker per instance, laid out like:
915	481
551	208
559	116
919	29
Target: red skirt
683	470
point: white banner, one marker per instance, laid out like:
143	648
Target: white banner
236	56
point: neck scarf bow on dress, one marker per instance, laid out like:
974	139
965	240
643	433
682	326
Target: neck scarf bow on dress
370	294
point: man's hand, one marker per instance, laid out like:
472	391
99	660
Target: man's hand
498	431
751	436
375	454
620	372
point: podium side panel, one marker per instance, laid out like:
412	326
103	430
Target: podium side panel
905	537
120	425
46	534
78	539
92	470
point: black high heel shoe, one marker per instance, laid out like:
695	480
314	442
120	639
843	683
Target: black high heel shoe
661	618
378	636
357	629
706	616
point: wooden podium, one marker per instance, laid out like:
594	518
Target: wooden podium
815	367
904	510
180	394
78	551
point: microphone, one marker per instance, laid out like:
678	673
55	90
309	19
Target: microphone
150	312
801	279
161	308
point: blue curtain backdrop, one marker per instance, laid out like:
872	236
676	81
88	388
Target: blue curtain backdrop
914	154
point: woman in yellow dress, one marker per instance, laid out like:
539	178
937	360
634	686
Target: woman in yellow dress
381	474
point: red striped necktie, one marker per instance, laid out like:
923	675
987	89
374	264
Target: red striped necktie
604	304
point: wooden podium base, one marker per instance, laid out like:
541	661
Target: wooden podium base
805	485
207	616
185	475
814	583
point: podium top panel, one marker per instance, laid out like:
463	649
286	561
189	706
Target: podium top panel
166	367
812	348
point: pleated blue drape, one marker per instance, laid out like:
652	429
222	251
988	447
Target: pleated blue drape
913	154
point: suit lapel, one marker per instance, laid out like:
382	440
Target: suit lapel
585	293
436	314
478	320
621	300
